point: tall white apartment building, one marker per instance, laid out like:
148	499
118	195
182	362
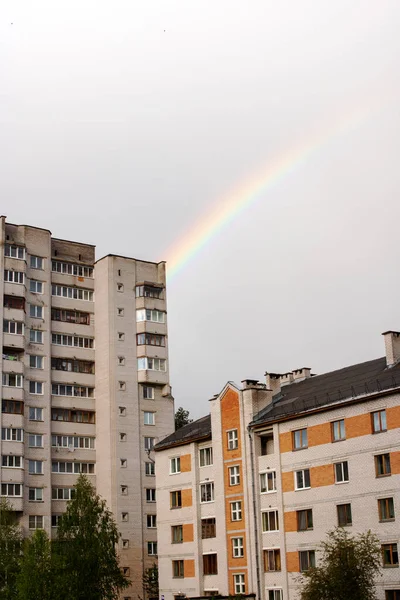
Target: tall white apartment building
85	384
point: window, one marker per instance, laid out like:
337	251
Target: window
206	457
12	434
36	262
178	568
148	291
35	495
12	407
122	411
237	547
270	520
272	560
236	511
382	465
70	316
72	292
120	287
35	311
234	475
149	443
304	520
390	555
125	517
14	302
151	364
121	360
124	490
268	482
122	437
207	492
238	583
150	495
208	528
145	314
175	465
306	559
344	515
392	595
11	461
342	472
152	548
378	421
338	431
149	418
267	443
36	336
11	489
12	380
148	392
275	594
13	251
120	312
233	439
77	341
78	391
150	468
151	521
71	269
35	522
14	276
72	441
55	519
71	365
73	416
121	336
123	463
64	467
35	362
386	509
210	564
125	543
150	339
176	534
126	571
13	327
175	499
36	287
35	467
35	440
300	439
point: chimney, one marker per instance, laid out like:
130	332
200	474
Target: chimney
301	374
392	347
287	378
273	382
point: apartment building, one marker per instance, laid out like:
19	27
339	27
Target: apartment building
246	494
85	384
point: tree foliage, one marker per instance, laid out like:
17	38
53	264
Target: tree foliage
182	418
150	581
347	568
10	551
37	577
86	546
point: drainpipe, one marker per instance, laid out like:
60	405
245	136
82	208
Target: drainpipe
256	535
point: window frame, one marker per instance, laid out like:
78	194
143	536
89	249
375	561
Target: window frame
300	438
305	515
237	547
268	520
209	495
389	509
232	439
239	583
234	475
176	539
347	521
236	511
175	499
203	462
178	569
344	470
310	555
265	488
393	549
381	422
275	554
338	433
210	563
175	465
385	463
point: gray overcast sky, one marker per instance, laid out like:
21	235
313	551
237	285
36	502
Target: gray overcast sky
123	123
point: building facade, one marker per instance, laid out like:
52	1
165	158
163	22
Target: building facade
85	384
246	494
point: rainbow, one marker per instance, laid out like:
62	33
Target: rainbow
255	188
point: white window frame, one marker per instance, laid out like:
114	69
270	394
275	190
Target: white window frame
12	461
236	510
37	493
151	495
233	439
11	434
34	309
14	276
152	549
36	522
175	465
34	412
36	388
7	377
234	475
147	363
208	495
14	251
35	440
268	482
35	286
342	472
147	314
237	547
206	456
36	336
150	469
338	430
36	361
151	521
149	393
35	467
268	519
36	262
305	487
149	417
14	325
76	293
148	443
239	583
274	594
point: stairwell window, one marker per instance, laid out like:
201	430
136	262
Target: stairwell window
149	443
149	418
268	482
237	547
35	522
236	511
36	387
176	499
35	495
207	492
35	311
36	336
270	520
35	467
151	521
177	534
152	548
234	475
36	262
36	287
206	457
178	570
150	494
272	560
35	362
300	439
233	441
35	440
390	555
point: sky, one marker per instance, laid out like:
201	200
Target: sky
253	145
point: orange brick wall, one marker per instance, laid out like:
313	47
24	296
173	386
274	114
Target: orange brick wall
287	481
187	497
188	566
186	463
188	535
322	475
230	419
233	489
285	441
395	462
357	426
319	434
393	417
292	562
290	521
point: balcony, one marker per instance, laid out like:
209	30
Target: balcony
17	504
11	363
9	475
149	376
12	340
14	289
12	393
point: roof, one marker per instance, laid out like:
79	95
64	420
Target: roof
353	383
193	432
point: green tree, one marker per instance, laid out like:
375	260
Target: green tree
86	546
36	579
347	568
150	581
182	418
10	550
